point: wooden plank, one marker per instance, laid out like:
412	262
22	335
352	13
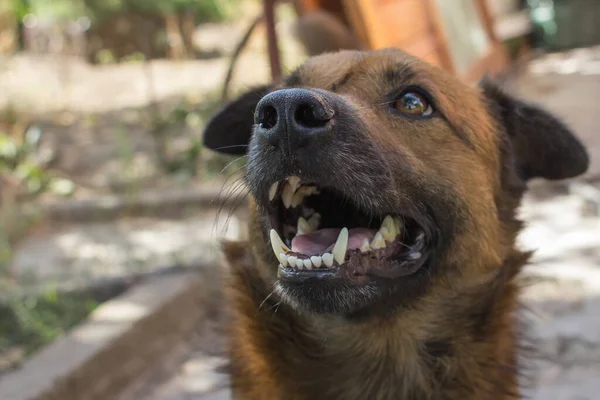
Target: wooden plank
388	23
421	47
434	58
306	6
438	32
416	27
363	20
334	7
403	21
486	19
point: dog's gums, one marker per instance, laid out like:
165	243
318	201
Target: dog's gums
314	245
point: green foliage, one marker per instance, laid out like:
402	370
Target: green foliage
18	163
35	320
204	10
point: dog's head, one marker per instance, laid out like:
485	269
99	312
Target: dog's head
377	178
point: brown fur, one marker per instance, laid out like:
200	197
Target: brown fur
457	336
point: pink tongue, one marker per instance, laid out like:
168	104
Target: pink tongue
323	240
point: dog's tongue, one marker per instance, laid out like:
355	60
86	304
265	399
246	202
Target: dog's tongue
323	240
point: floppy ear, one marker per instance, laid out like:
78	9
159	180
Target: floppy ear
229	130
542	145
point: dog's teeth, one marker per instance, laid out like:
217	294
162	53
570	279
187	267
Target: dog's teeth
277	244
341	244
327	259
420	237
292	260
283	259
378	242
291	185
414	256
294	181
314	221
389	225
311	190
307	264
273	191
301	193
304	227
297	199
364	247
386	234
288	195
316	261
299	263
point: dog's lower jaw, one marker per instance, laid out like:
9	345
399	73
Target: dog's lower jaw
465	350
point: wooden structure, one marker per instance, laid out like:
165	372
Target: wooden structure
456	35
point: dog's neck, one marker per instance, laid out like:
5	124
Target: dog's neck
464	348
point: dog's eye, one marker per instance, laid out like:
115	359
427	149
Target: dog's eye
413	104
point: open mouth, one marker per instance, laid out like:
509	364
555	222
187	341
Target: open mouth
319	232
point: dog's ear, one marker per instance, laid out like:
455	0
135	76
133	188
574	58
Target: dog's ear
229	130
542	145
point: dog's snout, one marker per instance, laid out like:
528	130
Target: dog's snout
296	115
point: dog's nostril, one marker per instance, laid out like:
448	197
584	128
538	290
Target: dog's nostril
311	116
267	117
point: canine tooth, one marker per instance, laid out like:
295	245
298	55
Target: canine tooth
314	221
297	199
307	264
341	244
284	260
364	247
388	223
294	181
327	259
287	195
277	244
316	261
386	234
304	227
292	260
378	242
273	191
414	256
299	263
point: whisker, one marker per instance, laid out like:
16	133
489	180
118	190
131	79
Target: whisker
233	209
230	163
232	189
231	147
374	105
265	300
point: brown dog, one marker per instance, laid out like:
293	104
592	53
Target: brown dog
382	261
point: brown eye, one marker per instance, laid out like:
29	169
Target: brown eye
414	104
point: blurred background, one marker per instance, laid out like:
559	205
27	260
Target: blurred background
110	209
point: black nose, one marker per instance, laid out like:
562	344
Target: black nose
297	115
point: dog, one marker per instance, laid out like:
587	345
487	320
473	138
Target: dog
381	261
